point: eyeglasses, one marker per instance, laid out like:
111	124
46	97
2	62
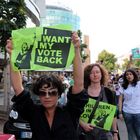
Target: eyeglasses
48	93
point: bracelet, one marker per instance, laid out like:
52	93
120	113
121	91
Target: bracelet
115	132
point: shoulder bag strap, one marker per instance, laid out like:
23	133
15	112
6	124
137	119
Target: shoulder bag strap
96	105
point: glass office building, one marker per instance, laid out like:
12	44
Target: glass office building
60	15
33	14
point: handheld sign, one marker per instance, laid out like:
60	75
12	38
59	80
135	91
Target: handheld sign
42	48
103	116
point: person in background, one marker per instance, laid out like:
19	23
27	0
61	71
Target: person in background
66	86
129	103
95	76
49	121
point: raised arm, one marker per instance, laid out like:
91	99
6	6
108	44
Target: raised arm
77	65
16	78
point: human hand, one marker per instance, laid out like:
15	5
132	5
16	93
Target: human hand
121	117
9	46
87	127
75	40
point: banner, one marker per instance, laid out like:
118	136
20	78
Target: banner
136	53
103	116
42	48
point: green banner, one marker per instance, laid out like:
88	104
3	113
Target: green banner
42	48
103	116
136	53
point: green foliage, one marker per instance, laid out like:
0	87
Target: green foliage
12	16
108	60
125	64
137	62
83	46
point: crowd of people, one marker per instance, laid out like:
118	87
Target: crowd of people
62	101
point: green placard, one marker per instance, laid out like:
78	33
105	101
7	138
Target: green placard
42	48
103	116
136	53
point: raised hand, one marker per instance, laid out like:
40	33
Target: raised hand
75	40
9	46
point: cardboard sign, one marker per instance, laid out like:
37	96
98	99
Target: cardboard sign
103	116
42	48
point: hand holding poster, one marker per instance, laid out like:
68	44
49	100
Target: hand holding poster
103	116
42	48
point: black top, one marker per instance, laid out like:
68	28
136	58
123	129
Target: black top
66	118
109	95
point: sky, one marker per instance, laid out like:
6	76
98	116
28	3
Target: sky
112	25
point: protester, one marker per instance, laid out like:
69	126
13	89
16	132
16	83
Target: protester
49	121
66	86
129	103
95	78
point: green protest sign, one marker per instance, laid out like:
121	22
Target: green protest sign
103	116
42	48
136	53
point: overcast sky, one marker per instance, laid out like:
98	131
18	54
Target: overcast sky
113	25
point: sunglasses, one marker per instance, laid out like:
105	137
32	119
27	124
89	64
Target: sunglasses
49	93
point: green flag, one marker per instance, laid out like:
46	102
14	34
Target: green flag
42	48
103	116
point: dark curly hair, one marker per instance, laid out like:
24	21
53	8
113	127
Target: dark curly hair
126	82
88	70
49	79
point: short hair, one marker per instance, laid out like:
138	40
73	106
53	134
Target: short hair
126	82
52	80
87	71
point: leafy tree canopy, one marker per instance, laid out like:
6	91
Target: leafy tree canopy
108	60
84	56
12	16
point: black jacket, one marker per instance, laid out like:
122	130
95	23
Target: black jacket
66	119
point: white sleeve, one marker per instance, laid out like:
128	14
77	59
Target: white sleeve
121	90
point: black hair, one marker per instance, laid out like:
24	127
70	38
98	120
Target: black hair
126	82
52	80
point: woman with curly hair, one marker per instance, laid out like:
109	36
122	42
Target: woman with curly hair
129	103
49	120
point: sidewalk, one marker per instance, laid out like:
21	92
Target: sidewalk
122	130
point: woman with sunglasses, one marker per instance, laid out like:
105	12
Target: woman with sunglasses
49	121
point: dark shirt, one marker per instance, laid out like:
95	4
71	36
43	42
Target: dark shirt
66	118
109	97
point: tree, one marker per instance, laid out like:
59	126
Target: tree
12	16
108	60
83	46
136	62
125	64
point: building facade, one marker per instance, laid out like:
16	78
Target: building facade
33	13
58	14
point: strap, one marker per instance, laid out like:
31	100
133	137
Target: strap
96	105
